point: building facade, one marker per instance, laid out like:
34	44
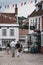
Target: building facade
9	28
23	36
36	20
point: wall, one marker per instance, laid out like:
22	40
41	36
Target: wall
31	23
41	42
42	22
42	6
8	27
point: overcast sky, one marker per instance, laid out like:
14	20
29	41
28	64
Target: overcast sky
24	10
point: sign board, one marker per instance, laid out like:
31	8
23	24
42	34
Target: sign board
32	27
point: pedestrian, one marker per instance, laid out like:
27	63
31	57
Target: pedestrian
18	48
8	48
12	44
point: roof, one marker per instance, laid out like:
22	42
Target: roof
7	18
23	32
36	13
39	3
39	12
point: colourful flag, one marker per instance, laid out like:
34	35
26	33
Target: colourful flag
31	1
35	1
21	4
0	6
24	3
7	6
12	5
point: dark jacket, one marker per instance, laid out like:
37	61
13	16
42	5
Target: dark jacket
8	45
17	46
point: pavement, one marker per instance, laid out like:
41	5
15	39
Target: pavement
23	59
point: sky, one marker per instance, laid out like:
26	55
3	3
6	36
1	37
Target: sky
24	10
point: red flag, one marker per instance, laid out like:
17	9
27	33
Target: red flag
13	5
21	4
5	6
31	1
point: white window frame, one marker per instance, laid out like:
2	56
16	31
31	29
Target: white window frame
4	32
11	32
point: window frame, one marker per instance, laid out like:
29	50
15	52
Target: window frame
11	32
4	32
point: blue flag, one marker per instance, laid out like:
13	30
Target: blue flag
35	1
0	6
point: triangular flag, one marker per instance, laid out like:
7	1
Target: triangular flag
21	4
31	1
35	1
0	6
13	5
24	3
7	6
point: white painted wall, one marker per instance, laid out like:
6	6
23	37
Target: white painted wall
11	26
31	20
41	38
37	8
30	23
42	6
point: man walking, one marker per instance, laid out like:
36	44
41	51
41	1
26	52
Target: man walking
12	44
8	48
17	48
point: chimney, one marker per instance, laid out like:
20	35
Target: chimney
16	10
16	13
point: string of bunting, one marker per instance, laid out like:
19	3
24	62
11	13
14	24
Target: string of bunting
13	5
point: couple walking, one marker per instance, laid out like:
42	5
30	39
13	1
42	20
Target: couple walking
15	47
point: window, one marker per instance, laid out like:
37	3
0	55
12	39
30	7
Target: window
3	32
36	23
39	24
11	32
4	42
33	22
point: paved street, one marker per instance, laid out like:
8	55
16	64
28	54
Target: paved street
24	59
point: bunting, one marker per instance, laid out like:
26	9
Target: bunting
23	3
35	1
0	6
5	6
12	5
31	1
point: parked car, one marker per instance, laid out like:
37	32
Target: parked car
25	48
